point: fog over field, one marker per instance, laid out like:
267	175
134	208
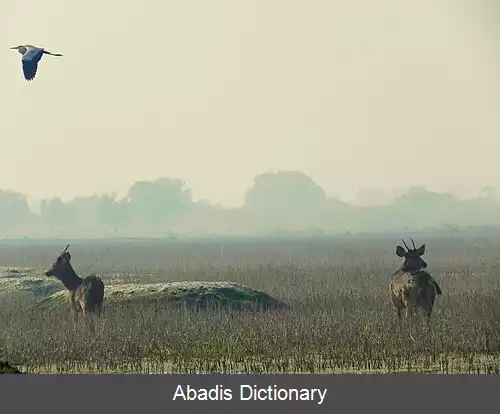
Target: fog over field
282	203
381	116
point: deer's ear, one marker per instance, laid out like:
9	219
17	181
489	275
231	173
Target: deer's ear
400	251
66	257
421	250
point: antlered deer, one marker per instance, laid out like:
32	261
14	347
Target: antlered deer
412	288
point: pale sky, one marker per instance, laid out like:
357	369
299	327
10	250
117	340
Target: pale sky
356	94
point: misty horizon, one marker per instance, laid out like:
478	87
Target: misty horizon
365	196
276	203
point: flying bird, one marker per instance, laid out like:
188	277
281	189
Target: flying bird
30	59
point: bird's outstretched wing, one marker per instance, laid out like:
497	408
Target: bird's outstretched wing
30	62
29	69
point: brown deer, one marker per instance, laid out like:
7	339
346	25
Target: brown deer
87	294
412	288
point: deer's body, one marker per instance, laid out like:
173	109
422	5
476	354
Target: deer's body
86	294
412	288
413	291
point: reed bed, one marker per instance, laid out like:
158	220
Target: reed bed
340	317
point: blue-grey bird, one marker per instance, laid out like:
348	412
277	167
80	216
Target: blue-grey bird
30	59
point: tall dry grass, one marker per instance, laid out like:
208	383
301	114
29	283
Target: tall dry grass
341	318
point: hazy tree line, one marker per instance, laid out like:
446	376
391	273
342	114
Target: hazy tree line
276	203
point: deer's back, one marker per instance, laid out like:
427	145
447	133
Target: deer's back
91	289
406	285
423	279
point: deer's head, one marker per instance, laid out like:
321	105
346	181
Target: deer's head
413	258
61	265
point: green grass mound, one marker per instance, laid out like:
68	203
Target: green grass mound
16	271
36	286
28	280
6	368
197	295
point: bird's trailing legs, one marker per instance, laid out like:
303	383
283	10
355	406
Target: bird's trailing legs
46	52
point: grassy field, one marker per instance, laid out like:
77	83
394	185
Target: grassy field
340	318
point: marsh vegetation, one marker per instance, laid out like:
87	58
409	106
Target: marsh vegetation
340	317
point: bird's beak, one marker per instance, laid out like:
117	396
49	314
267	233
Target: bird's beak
14	47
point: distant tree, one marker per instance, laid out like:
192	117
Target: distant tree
14	209
284	190
285	199
157	202
55	212
112	212
84	210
